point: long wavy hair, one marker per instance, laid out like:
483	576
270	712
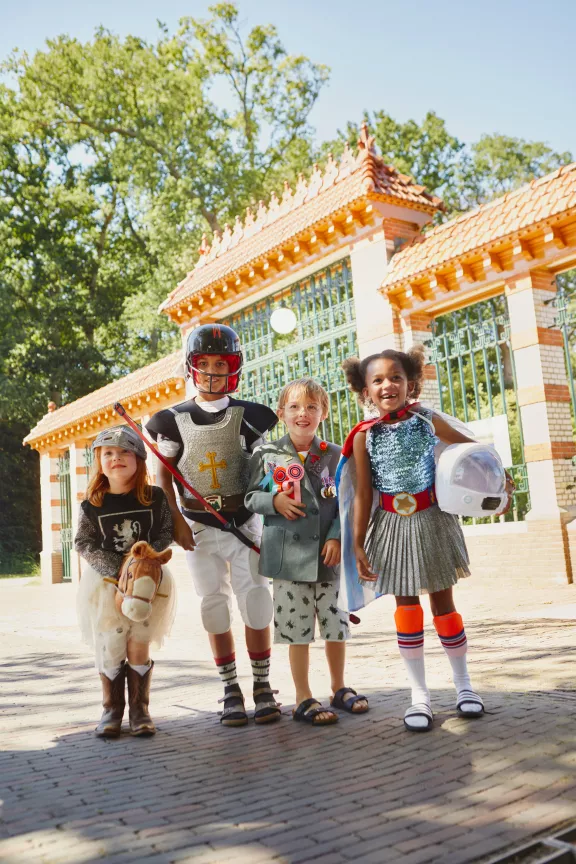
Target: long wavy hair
98	484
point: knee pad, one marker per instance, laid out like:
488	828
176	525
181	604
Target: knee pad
256	608
215	611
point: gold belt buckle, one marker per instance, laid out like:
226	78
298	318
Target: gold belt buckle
404	504
215	501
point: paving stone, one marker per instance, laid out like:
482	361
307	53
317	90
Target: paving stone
287	794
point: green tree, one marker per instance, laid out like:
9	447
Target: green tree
123	159
427	151
463	176
498	164
115	157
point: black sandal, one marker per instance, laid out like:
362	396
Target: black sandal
234	713
469	697
307	713
338	701
267	709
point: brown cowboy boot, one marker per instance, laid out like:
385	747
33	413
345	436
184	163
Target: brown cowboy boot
138	698
114	702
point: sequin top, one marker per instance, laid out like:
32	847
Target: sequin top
402	454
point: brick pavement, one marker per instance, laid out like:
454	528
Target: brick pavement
363	789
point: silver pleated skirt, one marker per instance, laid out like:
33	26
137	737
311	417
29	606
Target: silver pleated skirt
416	554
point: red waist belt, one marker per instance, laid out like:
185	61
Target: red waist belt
406	503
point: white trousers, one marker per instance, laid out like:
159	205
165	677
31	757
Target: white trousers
220	565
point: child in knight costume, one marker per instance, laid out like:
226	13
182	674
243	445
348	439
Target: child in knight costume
121	508
400	540
292	486
210	438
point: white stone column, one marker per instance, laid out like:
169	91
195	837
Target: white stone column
377	323
78	483
51	554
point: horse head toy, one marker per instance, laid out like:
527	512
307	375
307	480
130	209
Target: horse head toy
139	580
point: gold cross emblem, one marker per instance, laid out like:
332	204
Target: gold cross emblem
404	504
212	466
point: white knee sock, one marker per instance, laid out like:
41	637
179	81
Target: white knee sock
450	629
142	670
410	631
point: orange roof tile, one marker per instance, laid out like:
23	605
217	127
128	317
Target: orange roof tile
514	212
355	177
130	386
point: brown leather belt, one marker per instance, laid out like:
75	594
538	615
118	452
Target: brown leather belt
227	503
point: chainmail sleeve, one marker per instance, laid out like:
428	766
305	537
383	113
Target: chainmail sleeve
166	531
87	544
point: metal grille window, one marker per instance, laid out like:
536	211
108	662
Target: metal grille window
88	457
65	514
477	381
565	303
325	334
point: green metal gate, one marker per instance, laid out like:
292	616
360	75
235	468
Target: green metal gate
65	514
325	334
88	457
477	378
565	303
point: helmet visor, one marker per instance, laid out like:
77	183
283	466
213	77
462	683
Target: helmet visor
481	471
208	379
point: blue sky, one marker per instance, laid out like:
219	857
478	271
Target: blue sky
504	66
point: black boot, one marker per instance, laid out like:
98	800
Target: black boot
114	702
138	699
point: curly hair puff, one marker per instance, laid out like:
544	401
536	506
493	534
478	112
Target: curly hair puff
412	363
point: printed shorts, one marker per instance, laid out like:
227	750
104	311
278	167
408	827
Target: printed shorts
297	606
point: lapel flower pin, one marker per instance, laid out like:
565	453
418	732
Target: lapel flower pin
323	446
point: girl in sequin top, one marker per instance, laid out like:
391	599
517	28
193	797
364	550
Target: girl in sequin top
408	546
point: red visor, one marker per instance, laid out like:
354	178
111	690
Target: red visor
232	376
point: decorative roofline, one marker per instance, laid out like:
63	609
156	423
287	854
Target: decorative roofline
549	244
50	434
375	181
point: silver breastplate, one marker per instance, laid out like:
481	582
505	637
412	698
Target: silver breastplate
213	461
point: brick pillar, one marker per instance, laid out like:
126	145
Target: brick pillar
78	483
416	331
51	555
544	400
377	323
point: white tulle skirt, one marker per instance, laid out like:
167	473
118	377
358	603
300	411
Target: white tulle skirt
107	631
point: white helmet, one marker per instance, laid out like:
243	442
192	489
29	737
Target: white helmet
470	480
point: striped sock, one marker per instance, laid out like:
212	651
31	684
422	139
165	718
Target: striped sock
227	669
409	622
450	629
260	661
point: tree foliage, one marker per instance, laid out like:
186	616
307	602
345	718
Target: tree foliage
463	176
115	158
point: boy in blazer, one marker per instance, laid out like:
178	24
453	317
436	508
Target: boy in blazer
291	485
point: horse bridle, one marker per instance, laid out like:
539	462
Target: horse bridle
115	582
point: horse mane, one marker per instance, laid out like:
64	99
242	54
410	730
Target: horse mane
141	549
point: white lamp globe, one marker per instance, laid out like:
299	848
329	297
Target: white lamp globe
283	320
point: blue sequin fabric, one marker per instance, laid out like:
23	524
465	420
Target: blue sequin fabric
417	554
402	454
